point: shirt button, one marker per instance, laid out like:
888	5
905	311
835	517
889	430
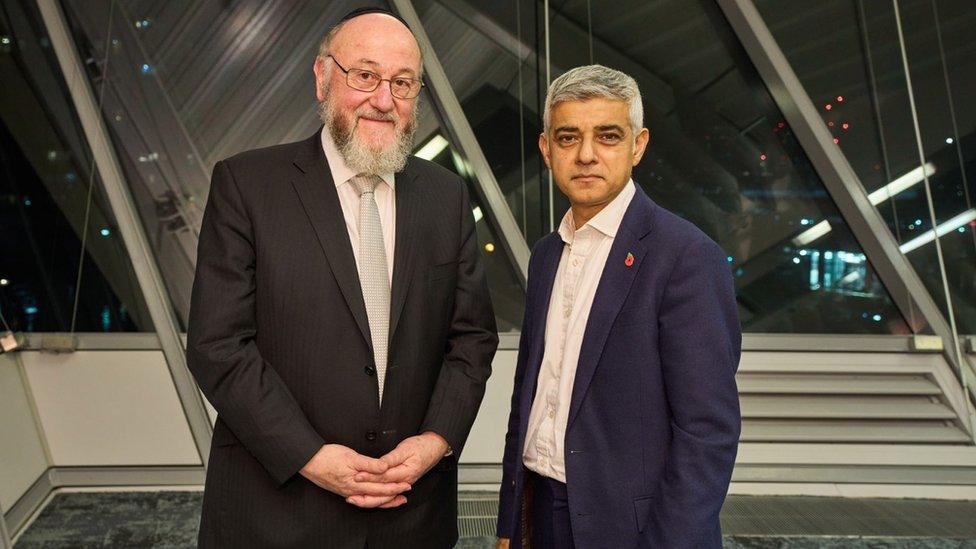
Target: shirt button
552	413
370	435
576	263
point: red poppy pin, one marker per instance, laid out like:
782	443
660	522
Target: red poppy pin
630	260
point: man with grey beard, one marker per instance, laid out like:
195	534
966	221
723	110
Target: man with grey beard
346	360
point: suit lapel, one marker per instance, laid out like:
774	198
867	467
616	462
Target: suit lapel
408	203
611	294
317	192
541	294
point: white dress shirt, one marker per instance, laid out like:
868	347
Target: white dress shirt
580	267
385	196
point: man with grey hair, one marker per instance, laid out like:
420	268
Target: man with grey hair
625	414
346	362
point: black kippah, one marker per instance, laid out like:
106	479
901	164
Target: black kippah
363	11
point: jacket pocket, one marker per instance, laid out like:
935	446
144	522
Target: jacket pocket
642	511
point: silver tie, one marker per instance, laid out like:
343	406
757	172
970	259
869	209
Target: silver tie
374	273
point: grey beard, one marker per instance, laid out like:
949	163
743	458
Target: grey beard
359	156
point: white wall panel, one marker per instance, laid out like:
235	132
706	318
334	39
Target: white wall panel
109	408
487	440
22	458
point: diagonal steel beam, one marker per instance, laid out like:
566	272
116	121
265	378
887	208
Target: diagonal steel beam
457	125
130	227
865	221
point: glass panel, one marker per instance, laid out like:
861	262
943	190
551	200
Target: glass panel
720	153
46	211
852	66
188	84
507	295
495	62
722	156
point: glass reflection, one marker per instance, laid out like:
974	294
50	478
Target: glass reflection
852	67
495	60
721	154
506	291
190	84
49	221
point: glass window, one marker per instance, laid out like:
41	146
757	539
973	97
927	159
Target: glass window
49	220
507	295
852	67
720	155
495	62
191	84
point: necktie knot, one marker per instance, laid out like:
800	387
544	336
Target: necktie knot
365	184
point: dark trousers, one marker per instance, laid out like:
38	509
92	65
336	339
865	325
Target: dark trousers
551	527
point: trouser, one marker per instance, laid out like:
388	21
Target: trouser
551	527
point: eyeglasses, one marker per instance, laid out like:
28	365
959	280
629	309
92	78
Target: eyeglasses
363	80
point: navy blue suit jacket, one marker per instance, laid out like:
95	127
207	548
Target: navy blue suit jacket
654	417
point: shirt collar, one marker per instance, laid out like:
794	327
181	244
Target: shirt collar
607	220
341	172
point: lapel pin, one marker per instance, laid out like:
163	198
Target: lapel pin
630	260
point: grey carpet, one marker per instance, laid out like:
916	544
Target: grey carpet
170	519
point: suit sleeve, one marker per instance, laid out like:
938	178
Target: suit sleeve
700	341
250	397
512	458
471	342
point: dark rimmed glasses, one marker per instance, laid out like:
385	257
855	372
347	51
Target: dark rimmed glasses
367	81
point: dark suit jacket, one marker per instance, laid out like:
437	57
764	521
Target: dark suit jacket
654	416
279	342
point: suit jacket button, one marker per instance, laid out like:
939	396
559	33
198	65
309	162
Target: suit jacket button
370	435
370	370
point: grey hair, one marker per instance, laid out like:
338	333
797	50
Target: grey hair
591	82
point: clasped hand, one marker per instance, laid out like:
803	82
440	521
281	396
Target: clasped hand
375	483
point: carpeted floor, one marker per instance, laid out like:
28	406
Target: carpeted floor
170	519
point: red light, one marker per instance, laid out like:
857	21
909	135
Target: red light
830	124
972	223
836	141
845	125
828	106
840	98
780	125
762	157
